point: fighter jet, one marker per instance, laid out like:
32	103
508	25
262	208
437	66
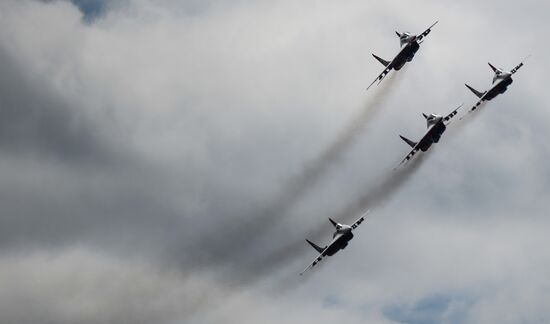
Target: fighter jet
501	80
409	46
436	127
340	240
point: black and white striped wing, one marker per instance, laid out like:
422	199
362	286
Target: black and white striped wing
314	263
514	70
452	114
426	32
382	75
410	155
321	255
360	220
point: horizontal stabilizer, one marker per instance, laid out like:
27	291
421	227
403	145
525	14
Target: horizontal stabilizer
381	60
477	93
492	67
408	141
333	222
315	246
425	116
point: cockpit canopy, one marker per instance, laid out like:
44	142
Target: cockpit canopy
404	38
432	117
499	74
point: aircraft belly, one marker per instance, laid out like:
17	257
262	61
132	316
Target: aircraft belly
340	244
494	92
332	250
498	89
401	58
399	64
426	144
438	130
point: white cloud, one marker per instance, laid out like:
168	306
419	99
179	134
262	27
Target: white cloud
203	111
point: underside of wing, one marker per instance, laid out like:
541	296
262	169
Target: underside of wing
322	254
452	114
480	101
514	70
410	155
357	222
382	75
426	32
314	263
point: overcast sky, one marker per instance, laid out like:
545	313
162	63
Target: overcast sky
162	161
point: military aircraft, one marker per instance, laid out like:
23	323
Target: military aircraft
436	127
501	80
340	240
409	46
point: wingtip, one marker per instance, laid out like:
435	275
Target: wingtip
370	85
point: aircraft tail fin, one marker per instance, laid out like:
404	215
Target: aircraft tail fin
333	222
425	116
398	34
477	93
315	246
408	141
492	67
381	60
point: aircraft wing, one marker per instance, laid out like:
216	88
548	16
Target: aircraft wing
426	32
382	75
452	114
411	154
415	148
387	69
359	221
321	255
481	100
312	264
514	70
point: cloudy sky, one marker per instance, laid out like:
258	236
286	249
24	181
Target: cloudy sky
161	161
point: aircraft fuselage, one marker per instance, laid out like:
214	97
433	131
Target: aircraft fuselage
433	136
499	88
405	55
340	244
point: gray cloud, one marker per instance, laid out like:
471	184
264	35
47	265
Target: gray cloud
192	147
36	120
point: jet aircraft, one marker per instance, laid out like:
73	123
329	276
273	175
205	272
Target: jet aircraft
409	46
501	80
436	127
340	240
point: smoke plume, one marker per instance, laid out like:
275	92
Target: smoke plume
246	234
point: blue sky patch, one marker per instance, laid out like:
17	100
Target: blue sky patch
430	310
91	9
